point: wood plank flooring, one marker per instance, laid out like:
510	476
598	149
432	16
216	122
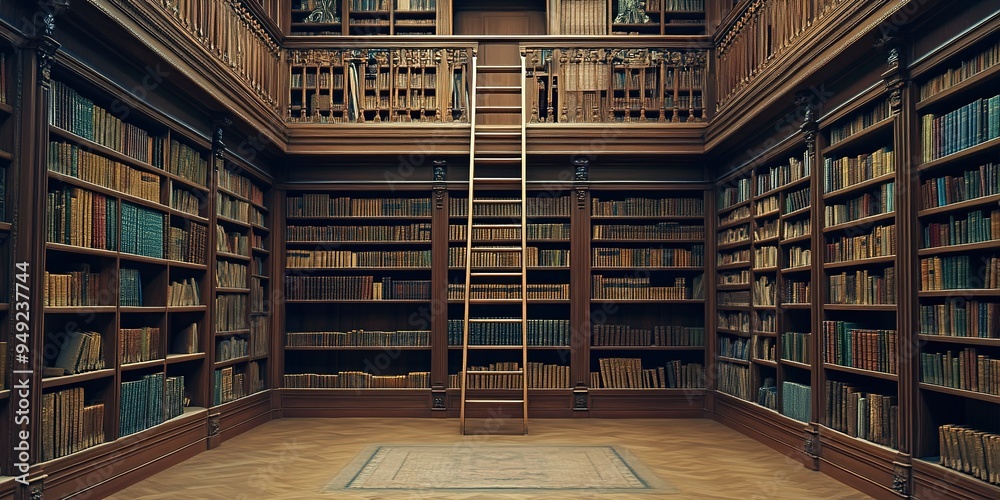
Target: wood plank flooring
296	458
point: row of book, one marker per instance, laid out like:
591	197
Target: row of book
665	231
230	274
844	172
647	207
364	258
764	348
863	287
78	217
540	376
357	380
796	401
738	321
238	210
130	288
79	352
963	128
185	340
142	231
189	245
961	317
780	175
766	206
796	292
648	257
766	229
767	394
628	373
734	278
796	200
325	205
149	401
183	161
68	424
68	159
738	234
583	17
765	257
734	347
882	201
866	415
739	298
970	451
977	226
740	256
734	380
973	64
259	302
230	348
507	331
795	347
260	335
794	229
640	288
320	234
738	214
75	288
361	338
881	242
240	185
550	231
965	370
184	293
764	321
230	313
355	288
666	335
959	272
233	242
75	113
847	344
510	291
765	291
860	121
136	345
798	257
255	377
456	258
229	384
971	184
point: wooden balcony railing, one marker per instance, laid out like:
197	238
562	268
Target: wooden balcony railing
616	85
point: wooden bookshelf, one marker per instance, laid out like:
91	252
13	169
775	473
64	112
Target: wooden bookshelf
366	17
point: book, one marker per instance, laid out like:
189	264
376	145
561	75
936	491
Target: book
67	424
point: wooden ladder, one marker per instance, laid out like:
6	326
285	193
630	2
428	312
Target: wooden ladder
501	174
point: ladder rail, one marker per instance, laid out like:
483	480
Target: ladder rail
468	239
524	243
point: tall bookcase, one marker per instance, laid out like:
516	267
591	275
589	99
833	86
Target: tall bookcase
956	190
125	284
8	177
367	17
734	228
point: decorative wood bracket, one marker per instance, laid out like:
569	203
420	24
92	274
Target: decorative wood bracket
894	77
218	144
438	399
580	399
440	187
581	176
901	475
214	427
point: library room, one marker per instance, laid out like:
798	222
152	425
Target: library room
451	249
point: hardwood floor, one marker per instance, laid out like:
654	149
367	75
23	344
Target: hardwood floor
296	458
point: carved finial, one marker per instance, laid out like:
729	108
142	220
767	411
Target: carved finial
581	168
46	44
440	170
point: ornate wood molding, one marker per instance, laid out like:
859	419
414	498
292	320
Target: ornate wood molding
45	43
440	187
895	75
581	176
901	476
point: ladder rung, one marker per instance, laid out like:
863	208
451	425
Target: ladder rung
496	226
496	68
495	347
497	179
495	274
487	202
498	159
494	401
497	249
494	301
494	372
499	89
498	109
495	320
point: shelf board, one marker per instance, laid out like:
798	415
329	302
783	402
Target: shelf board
792	305
644	348
222	289
887	259
962	90
882	126
963	248
732	307
733	360
233	194
982	396
770	213
232	332
97	188
65	380
732	207
960	292
784	187
115	155
142	309
797	213
796	239
359	268
732	332
951	339
765	241
183	309
6	109
796	364
232	222
234	256
360	218
765	334
4	394
765	362
733	223
80	309
230	362
694	218
647	240
260	276
860	186
258	227
359	242
260	250
960	206
142	364
183	358
180	213
645	301
729	246
358	301
642	268
960	155
864	221
6	227
796	269
61	247
736	265
4	306
859	371
357	348
187	265
142	258
761	270
860	307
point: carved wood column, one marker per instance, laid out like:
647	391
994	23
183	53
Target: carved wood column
439	283
580	283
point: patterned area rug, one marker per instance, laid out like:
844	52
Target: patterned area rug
513	468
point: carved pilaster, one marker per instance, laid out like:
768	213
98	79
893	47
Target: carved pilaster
45	42
214	427
809	127
438	399
580	399
895	76
440	187
901	473
581	175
